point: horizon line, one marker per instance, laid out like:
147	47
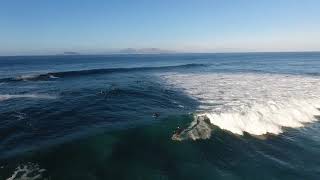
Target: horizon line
164	53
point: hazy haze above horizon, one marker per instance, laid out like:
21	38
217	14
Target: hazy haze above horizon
94	27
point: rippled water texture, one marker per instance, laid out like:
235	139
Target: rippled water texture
179	116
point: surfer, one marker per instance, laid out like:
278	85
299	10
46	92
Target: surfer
101	92
156	115
178	131
176	134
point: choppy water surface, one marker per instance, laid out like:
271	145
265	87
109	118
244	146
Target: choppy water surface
180	116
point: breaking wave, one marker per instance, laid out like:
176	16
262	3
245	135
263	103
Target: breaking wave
267	118
257	104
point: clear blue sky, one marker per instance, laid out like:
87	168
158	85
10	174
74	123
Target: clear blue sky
97	26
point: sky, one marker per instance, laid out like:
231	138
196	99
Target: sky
102	26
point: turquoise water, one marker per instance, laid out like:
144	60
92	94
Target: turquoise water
240	116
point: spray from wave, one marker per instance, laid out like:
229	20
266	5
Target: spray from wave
257	104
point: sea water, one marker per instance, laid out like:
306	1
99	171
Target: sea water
160	116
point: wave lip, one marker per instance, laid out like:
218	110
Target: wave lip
4	97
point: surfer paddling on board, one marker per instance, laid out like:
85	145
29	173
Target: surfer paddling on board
156	114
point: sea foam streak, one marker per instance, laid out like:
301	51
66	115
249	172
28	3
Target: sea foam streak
254	103
4	97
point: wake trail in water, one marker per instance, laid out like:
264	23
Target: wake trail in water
257	104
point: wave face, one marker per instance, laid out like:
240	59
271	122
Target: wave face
253	103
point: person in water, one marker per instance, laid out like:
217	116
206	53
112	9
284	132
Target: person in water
156	115
102	92
178	131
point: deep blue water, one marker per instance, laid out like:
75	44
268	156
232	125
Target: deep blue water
113	116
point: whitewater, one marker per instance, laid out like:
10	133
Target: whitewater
254	103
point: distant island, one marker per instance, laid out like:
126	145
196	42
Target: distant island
69	53
123	51
145	51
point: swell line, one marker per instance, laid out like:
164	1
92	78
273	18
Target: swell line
63	74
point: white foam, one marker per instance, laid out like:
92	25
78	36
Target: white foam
4	97
254	103
53	77
29	171
26	77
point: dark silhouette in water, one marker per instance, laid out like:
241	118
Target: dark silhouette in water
178	131
111	91
156	115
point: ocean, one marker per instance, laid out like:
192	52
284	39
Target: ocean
221	116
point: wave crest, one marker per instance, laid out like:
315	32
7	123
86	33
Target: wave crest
267	118
261	119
